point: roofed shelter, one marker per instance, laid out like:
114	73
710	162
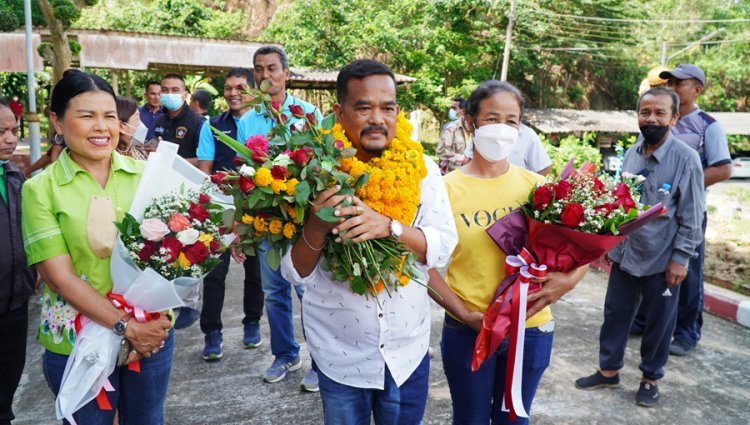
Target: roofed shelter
575	121
121	50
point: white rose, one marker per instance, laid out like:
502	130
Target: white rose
640	179
188	236
299	125
153	229
282	160
247	171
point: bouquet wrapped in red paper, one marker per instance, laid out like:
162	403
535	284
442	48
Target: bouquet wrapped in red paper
566	224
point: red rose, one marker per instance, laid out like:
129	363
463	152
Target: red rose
218	178
278	172
599	186
147	251
302	155
621	190
275	105
572	215
214	247
173	247
297	111
203	198
626	202
542	197
196	253
282	119
604	209
259	146
311	117
246	184
338	144
197	212
563	189
238	161
223	230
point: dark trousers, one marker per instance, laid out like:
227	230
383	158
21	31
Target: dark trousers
13	329
687	332
214	285
624	293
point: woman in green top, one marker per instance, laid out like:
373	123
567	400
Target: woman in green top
69	236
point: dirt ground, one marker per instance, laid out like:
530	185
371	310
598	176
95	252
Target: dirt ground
728	235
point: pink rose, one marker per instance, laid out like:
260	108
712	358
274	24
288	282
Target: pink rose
153	229
178	223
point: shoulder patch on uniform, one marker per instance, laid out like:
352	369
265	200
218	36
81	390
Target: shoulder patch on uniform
707	118
180	132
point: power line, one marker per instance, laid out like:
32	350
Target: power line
652	21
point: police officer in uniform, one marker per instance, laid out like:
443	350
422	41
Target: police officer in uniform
213	156
179	124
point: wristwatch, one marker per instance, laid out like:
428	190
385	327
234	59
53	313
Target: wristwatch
120	326
397	229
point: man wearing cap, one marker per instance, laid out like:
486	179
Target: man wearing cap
703	133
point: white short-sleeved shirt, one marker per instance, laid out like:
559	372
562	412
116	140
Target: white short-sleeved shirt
351	339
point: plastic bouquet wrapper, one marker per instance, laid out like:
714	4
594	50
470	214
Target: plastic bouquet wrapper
565	225
279	176
170	239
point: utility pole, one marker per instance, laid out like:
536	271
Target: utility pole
508	34
35	150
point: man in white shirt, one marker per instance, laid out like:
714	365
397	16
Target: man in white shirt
372	360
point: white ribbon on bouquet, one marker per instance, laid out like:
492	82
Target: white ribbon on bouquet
94	354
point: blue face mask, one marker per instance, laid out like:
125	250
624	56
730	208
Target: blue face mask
4	161
171	101
452	114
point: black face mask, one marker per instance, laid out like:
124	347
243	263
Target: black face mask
653	134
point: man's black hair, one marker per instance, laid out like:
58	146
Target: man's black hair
203	97
4	102
150	83
267	50
656	91
461	101
358	70
173	76
242	73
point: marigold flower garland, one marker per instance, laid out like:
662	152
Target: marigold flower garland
393	186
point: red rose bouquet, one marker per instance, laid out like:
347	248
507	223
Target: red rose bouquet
566	224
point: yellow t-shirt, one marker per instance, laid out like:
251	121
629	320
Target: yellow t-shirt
477	264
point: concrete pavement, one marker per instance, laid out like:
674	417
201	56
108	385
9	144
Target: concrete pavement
707	386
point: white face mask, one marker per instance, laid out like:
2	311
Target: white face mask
139	135
495	142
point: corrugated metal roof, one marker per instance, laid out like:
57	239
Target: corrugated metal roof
573	121
162	53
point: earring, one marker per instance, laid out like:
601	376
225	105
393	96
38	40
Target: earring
58	139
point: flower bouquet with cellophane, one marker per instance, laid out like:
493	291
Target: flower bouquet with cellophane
169	239
566	224
279	176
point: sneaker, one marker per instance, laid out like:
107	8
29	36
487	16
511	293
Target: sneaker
212	349
597	380
186	318
252	338
647	396
279	368
678	349
310	382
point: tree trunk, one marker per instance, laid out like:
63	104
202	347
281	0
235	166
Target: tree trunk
61	57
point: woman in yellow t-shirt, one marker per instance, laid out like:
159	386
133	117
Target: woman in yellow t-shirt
68	233
480	192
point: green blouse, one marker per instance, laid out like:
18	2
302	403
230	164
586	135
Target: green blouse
56	205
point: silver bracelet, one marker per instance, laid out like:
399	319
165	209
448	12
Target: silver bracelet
304	238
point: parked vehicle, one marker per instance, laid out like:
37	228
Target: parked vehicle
741	167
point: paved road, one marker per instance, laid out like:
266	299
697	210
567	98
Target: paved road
707	387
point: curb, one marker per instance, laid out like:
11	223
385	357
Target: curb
727	304
716	300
